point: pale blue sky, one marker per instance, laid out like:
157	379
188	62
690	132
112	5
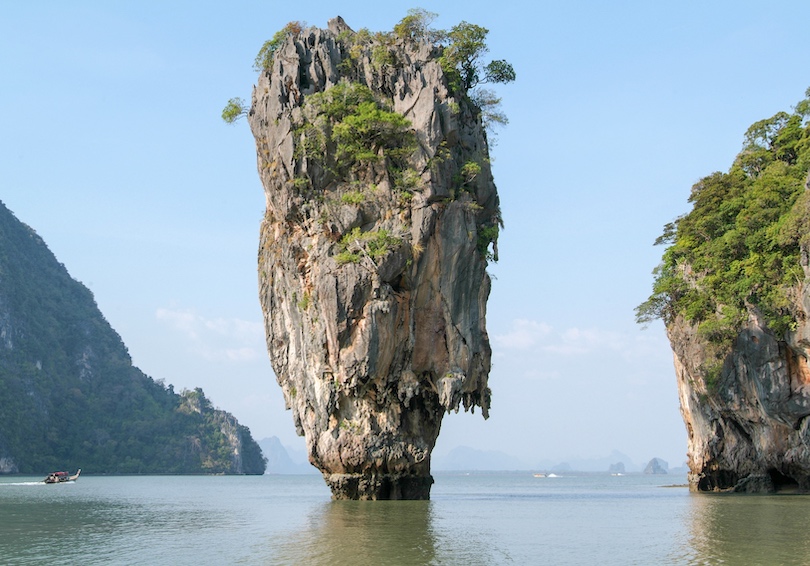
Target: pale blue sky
113	150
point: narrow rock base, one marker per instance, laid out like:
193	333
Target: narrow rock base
379	486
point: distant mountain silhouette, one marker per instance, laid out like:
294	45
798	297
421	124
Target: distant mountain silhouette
279	460
464	458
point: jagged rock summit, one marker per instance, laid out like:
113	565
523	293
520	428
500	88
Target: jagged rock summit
381	215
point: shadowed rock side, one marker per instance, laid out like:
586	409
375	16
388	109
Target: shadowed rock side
372	267
749	431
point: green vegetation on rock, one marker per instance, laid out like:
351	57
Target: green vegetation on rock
234	109
264	58
346	126
739	248
464	47
69	394
374	244
348	133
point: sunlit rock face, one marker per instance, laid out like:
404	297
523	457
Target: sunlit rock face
373	277
748	431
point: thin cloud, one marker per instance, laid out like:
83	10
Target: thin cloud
532	336
216	339
524	335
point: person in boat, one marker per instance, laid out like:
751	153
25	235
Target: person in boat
61	477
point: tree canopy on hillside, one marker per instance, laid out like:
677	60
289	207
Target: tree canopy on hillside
741	245
69	394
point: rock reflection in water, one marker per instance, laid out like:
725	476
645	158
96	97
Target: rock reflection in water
751	530
362	532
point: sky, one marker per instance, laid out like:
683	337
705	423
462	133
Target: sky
112	148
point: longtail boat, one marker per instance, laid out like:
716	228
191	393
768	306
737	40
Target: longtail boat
61	477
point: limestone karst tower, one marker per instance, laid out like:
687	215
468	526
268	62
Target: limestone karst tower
381	216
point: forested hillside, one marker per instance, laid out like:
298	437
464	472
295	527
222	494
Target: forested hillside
69	394
740	246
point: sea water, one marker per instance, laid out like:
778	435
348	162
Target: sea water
477	518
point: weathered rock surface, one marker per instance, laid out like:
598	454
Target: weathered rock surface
750	432
371	353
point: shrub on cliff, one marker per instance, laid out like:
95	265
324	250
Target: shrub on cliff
347	125
234	109
740	245
264	58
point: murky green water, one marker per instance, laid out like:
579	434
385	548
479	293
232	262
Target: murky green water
472	519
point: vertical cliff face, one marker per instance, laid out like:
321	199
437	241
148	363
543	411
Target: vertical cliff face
747	418
381	211
748	431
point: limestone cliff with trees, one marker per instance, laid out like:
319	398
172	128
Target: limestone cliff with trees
69	395
381	217
733	290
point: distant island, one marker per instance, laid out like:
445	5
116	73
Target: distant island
69	395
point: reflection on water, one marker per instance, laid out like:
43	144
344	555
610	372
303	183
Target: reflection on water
144	520
472	520
64	524
362	532
750	529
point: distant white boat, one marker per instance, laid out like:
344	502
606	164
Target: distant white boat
552	476
539	475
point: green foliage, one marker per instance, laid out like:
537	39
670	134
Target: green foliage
469	171
803	107
346	125
499	71
462	58
374	244
407	180
488	235
234	109
353	197
462	62
416	26
368	132
264	58
347	257
338	102
69	395
740	246
381	56
305	301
